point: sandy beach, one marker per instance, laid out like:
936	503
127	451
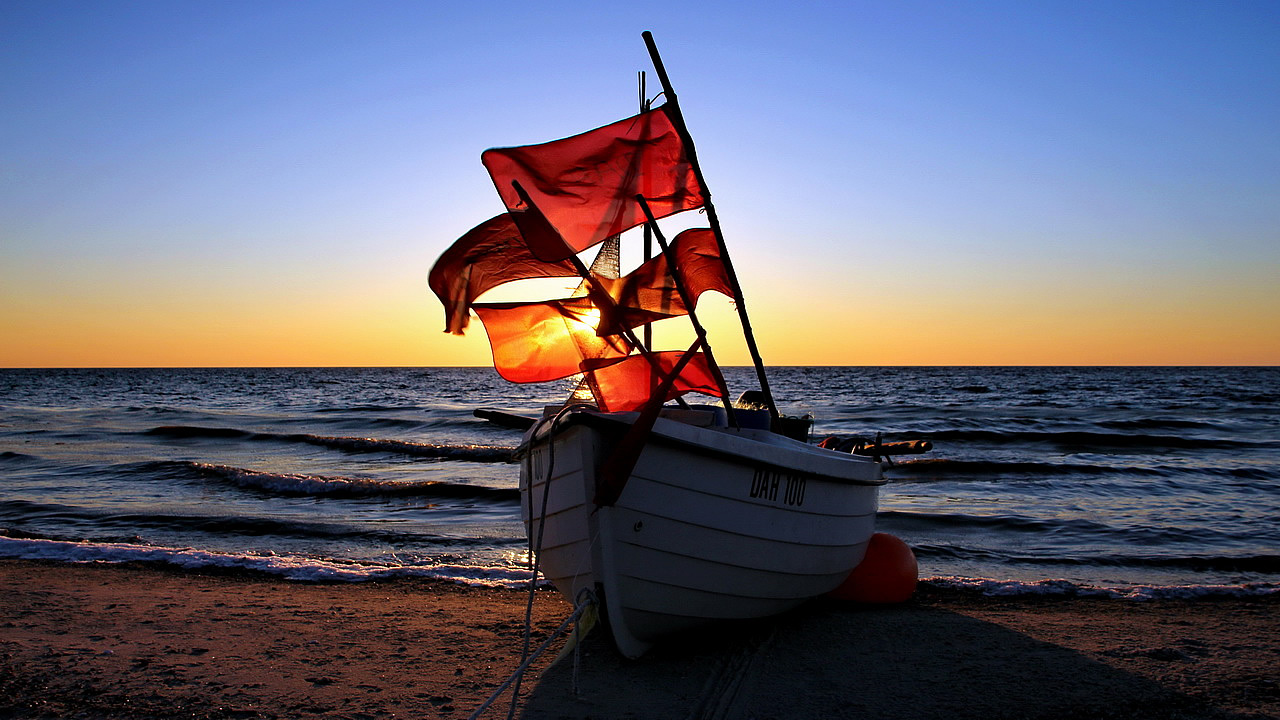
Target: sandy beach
115	641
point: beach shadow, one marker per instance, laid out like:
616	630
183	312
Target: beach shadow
831	661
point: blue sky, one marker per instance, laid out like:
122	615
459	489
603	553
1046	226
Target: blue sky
268	182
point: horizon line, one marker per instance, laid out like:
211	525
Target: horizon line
409	367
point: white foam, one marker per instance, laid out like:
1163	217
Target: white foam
289	567
310	569
1066	588
307	484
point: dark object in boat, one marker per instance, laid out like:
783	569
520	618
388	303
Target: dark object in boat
875	448
796	428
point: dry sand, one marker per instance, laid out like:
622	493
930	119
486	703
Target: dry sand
111	641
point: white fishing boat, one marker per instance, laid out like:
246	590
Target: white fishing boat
713	522
670	515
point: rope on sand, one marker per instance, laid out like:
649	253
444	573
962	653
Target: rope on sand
586	599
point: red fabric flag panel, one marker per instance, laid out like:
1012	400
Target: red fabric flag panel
627	384
490	254
650	289
586	185
539	342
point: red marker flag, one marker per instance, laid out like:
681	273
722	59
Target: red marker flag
650	290
490	254
629	383
586	185
538	342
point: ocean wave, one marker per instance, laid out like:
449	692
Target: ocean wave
368	408
1005	523
422	424
932	469
945	468
472	453
1062	532
1265	399
1158	424
1066	588
1265	564
16	457
309	569
289	567
1083	439
378	422
344	487
191	431
91	521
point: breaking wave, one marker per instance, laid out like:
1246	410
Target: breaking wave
344	487
1066	588
310	569
289	567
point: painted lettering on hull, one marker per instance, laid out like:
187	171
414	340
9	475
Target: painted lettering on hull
773	484
538	465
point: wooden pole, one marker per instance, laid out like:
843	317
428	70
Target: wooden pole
602	298
672	108
688	301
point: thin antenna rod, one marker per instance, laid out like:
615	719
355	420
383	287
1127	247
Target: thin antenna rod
672	107
648	234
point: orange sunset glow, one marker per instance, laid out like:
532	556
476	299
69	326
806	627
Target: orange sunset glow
909	186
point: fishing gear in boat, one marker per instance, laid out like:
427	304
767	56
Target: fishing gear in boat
875	448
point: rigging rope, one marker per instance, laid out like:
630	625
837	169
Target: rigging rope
584	599
588	599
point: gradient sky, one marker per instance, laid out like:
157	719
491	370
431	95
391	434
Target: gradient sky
998	183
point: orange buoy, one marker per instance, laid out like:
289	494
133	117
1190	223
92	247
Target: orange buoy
887	573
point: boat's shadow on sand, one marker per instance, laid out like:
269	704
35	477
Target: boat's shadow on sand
832	661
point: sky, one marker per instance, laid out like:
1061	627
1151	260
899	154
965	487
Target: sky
267	183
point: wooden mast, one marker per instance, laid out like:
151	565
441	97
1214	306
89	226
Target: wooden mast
603	300
688	301
672	107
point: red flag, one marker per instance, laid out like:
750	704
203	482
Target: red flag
537	342
490	254
540	235
586	184
612	476
700	265
628	384
650	289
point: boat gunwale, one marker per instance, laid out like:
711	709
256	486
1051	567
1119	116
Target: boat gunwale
596	420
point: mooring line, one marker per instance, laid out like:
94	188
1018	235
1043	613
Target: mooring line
587	601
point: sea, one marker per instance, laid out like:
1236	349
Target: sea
1136	482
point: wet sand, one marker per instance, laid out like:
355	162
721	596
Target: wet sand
113	641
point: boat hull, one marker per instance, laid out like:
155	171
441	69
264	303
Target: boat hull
712	524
